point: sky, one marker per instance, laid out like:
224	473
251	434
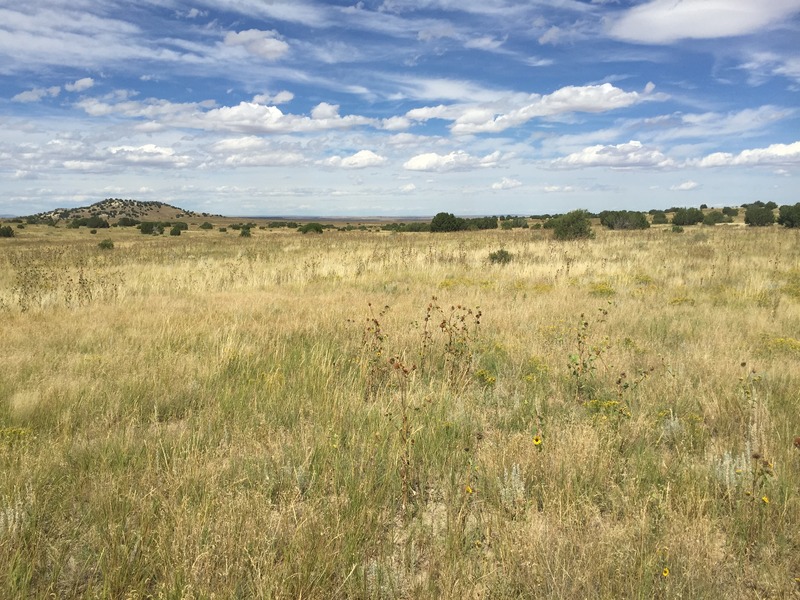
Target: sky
399	107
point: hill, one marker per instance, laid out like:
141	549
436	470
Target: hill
114	209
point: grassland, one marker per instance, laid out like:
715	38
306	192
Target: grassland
368	415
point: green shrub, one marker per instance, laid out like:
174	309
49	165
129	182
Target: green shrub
660	218
789	216
223	230
175	231
443	222
6	232
245	232
730	212
572	226
93	231
624	219
759	216
127	222
311	227
677	229
500	257
106	245
151	228
687	216
714	217
206	225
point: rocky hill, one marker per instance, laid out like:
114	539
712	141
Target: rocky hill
113	209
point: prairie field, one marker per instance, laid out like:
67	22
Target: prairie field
374	415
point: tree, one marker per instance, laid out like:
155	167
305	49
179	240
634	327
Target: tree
714	217
6	232
759	216
446	222
623	219
659	217
311	227
572	226
687	216
789	216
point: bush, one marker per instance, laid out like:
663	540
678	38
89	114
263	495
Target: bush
311	227
127	222
175	231
759	216
687	216
106	245
223	230
677	229
93	231
245	232
206	225
624	219
443	222
789	216
714	217
500	257
151	228
6	232
730	212
659	217
572	226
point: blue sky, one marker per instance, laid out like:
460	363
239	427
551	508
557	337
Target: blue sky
399	107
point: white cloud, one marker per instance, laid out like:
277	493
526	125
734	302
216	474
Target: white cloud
360	160
686	186
558	189
280	98
484	43
323	110
506	183
516	110
80	85
666	21
149	155
627	155
455	161
36	94
258	43
776	154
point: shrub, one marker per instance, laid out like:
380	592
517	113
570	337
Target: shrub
311	227
677	229
789	216
500	257
687	216
96	223
106	245
623	219
714	217
223	230
446	222
93	231
730	212
151	228
759	216
206	225
127	222
572	226
6	232
175	231
660	218
245	232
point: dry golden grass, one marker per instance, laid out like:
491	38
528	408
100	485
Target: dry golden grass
213	416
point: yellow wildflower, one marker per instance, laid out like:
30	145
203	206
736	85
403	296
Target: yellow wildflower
665	572
537	440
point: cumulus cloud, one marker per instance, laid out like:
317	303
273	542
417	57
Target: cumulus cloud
455	161
280	98
149	155
80	85
36	94
265	44
774	155
360	160
494	117
686	186
506	183
627	155
667	21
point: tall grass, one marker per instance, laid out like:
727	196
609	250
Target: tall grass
397	416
